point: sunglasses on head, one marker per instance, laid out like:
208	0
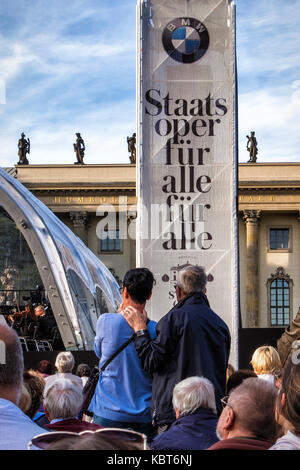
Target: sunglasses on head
43	441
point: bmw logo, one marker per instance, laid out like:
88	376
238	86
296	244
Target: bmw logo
185	40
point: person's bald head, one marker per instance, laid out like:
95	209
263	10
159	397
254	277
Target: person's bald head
250	411
11	361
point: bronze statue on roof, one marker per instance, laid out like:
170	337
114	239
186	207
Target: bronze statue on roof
24	148
252	147
79	149
131	141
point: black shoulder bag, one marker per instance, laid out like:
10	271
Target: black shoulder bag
90	386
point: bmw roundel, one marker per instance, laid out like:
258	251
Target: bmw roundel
185	40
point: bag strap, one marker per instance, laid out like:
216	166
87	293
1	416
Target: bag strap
117	352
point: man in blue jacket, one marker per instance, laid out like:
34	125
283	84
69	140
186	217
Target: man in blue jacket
191	340
122	397
196	417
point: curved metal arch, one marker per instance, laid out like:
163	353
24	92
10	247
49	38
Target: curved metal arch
58	254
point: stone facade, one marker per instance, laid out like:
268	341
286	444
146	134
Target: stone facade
269	206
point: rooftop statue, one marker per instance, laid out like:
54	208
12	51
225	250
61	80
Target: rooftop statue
79	149
252	147
24	148
131	141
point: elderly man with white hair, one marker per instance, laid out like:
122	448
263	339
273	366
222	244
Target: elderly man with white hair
62	403
64	364
196	417
192	340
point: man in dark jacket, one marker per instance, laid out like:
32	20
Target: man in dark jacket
196	417
191	341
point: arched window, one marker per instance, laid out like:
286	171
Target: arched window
280	295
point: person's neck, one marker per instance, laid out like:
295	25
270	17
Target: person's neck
131	303
236	433
10	394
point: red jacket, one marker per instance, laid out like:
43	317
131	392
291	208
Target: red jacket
73	425
241	443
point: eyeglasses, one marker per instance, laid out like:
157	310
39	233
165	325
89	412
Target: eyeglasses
43	441
225	403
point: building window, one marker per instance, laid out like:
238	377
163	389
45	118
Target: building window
279	239
110	241
279	291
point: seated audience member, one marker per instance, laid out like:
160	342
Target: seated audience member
62	403
288	408
64	364
83	371
45	368
247	421
16	429
237	378
95	441
265	361
196	417
35	385
25	399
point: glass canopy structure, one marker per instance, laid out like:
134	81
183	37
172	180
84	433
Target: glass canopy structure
78	285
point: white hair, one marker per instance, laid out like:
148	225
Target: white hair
192	279
193	393
63	399
65	362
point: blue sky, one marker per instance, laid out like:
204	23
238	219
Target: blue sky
68	67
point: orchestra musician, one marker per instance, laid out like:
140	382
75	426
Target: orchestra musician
45	321
20	320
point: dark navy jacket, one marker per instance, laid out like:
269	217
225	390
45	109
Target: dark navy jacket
196	431
191	341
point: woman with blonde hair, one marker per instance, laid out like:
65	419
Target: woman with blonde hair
266	363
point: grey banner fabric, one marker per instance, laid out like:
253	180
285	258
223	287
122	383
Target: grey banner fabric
186	147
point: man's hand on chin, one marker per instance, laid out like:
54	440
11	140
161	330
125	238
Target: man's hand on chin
136	319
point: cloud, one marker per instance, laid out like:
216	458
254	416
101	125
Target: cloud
275	116
68	67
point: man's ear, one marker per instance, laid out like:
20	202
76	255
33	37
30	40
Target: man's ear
229	420
126	293
150	295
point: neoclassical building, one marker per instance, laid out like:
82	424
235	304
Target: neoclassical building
269	240
269	228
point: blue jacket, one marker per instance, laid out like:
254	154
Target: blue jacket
196	431
124	390
191	340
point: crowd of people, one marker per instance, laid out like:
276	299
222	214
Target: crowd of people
160	386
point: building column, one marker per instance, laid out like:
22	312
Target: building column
131	220
79	220
251	218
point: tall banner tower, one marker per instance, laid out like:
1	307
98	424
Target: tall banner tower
187	150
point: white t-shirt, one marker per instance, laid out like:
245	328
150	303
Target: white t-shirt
268	377
288	442
74	378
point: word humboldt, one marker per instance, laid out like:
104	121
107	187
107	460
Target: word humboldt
181	123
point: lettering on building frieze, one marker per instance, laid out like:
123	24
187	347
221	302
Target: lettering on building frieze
257	198
87	200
